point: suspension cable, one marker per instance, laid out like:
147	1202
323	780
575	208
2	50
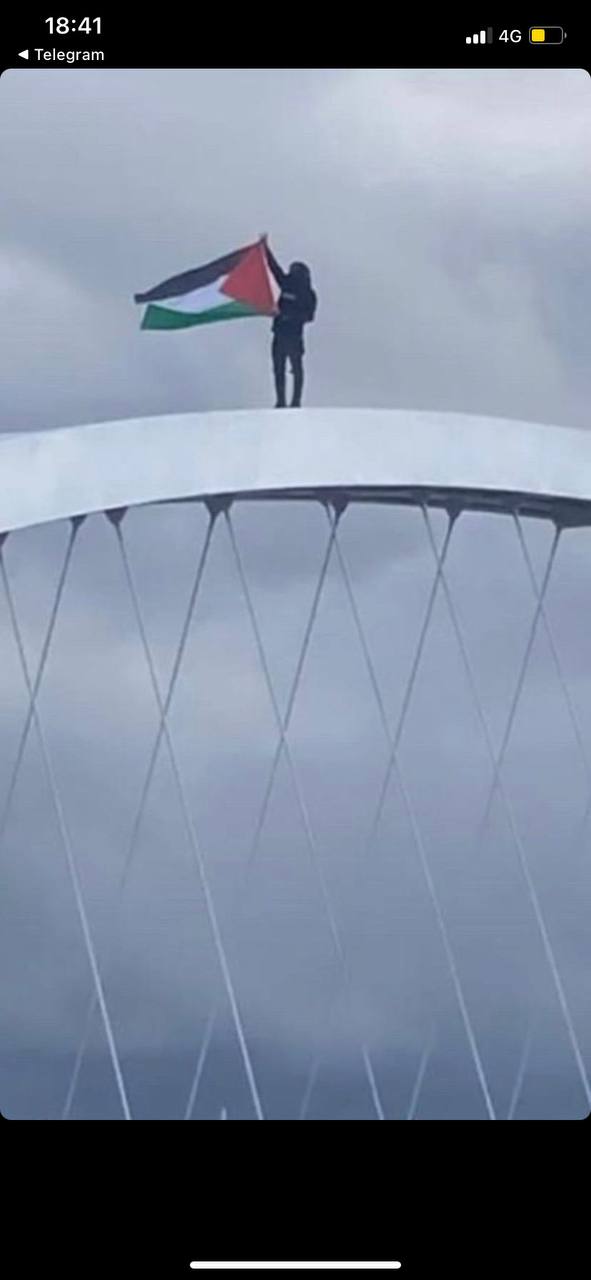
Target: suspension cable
131	845
497	781
70	859
419	843
36	684
194	842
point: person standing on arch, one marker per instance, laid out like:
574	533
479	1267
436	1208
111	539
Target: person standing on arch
296	307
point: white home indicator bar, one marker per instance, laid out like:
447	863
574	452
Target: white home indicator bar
296	1266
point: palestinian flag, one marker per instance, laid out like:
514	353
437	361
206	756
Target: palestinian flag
231	287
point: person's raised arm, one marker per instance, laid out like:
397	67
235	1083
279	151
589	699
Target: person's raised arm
277	272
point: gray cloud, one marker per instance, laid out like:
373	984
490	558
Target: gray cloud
444	214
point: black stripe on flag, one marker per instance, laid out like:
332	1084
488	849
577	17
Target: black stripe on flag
195	279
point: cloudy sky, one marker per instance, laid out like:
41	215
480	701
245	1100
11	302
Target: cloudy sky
445	217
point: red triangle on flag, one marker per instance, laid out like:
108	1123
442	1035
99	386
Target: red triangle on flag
250	282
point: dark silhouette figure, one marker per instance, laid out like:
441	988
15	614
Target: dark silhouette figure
296	307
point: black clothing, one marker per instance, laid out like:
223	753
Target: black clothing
297	300
282	350
296	307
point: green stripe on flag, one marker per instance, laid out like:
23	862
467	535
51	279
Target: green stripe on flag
164	318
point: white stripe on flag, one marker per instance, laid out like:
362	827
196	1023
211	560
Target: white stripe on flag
198	299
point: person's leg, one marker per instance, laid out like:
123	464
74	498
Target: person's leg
279	356
297	365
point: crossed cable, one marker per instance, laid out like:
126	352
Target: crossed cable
393	767
581	827
283	747
496	782
346	985
163	706
283	744
497	760
32	718
163	733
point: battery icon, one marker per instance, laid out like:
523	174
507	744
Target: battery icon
546	35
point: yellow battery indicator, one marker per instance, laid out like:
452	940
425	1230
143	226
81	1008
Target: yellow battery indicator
546	35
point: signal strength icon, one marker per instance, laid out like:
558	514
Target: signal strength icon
481	37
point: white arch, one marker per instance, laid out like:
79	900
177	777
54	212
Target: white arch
490	462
